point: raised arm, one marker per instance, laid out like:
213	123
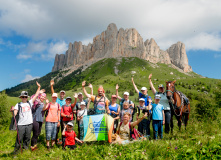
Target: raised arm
139	120
52	84
151	85
88	103
150	104
84	90
91	87
75	100
117	87
63	132
37	92
135	87
46	105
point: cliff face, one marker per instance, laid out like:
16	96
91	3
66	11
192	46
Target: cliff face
114	43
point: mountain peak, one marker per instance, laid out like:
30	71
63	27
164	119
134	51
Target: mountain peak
114	43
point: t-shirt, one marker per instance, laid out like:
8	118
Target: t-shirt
78	107
100	104
70	138
113	108
164	100
157	111
82	113
38	113
124	111
25	113
141	111
53	113
124	130
67	110
141	95
61	102
129	101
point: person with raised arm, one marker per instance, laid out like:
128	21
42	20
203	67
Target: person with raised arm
100	101
23	110
164	101
143	94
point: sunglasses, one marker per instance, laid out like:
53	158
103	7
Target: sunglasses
23	97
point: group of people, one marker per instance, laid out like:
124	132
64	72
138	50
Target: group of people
61	113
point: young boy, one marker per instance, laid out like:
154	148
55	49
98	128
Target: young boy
81	113
70	136
124	110
144	125
158	117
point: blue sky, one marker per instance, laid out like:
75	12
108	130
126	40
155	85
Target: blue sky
33	32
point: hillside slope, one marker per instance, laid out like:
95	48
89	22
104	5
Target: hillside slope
109	72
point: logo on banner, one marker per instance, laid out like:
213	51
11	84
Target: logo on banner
98	127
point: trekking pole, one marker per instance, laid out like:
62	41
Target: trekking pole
17	132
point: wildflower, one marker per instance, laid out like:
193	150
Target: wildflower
115	156
109	153
120	154
168	147
176	148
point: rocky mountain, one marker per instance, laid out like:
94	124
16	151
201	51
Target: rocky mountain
114	43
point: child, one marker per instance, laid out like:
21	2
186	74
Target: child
158	117
144	125
70	136
23	110
80	116
124	110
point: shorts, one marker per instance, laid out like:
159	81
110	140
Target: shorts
71	147
51	130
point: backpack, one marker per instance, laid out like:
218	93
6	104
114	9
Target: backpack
96	102
122	102
47	111
134	135
12	124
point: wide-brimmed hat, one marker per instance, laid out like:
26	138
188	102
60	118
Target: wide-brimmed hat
24	94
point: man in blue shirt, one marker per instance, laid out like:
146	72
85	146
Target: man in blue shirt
158	117
61	101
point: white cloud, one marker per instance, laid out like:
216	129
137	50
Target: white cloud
57	48
194	22
217	55
28	77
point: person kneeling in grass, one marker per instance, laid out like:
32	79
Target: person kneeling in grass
158	117
70	136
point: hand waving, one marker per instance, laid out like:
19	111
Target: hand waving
38	84
117	87
150	76
90	86
75	95
42	91
83	83
52	82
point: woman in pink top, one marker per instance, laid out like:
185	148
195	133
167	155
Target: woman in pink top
52	120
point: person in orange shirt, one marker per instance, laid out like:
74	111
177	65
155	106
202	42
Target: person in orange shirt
52	120
100	102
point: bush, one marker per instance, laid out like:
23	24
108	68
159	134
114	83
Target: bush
205	110
4	110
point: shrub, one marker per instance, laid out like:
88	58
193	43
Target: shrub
4	109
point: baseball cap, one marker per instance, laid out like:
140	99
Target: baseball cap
126	93
142	99
113	96
160	86
83	103
157	96
62	91
70	124
69	98
54	95
143	88
80	93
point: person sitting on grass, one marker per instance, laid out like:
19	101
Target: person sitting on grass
67	113
100	102
124	110
80	115
144	125
158	117
124	129
70	136
25	119
52	120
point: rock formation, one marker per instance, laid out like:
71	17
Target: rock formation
114	43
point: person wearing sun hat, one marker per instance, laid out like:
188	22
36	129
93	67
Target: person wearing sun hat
164	101
23	110
158	117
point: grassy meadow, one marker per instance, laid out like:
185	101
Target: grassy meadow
201	140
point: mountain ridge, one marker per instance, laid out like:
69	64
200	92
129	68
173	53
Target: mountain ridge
113	43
